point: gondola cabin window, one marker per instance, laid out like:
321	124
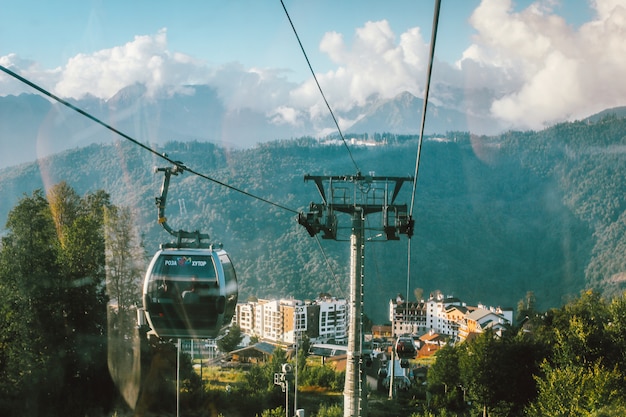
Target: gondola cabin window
176	277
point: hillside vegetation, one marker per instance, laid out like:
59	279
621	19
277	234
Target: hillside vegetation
71	345
495	217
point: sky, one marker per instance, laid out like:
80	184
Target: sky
544	61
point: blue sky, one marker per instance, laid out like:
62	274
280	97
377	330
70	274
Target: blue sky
543	61
255	33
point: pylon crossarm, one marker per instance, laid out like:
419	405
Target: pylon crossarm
350	193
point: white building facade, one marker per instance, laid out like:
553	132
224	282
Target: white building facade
333	322
282	321
430	316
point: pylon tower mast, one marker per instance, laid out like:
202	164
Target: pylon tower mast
358	196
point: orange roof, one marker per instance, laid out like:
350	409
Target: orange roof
429	336
427	350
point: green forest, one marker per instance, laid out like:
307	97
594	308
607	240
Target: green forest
53	306
568	361
66	281
495	217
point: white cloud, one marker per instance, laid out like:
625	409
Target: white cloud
541	69
605	8
375	63
144	60
259	89
285	115
28	69
147	60
549	71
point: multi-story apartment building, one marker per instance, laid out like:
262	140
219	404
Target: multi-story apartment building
245	317
272	321
312	320
484	318
455	315
407	317
262	318
294	320
424	316
446	316
333	323
282	321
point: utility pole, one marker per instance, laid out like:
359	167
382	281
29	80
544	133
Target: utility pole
392	374
358	196
282	379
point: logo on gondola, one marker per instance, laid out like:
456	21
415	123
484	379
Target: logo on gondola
184	261
180	261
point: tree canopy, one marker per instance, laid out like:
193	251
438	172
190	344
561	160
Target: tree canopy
53	306
565	362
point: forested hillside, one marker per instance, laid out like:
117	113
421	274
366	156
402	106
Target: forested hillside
495	217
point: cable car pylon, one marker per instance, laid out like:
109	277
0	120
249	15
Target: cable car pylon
358	196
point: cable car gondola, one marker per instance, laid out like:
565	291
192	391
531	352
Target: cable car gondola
190	293
190	288
405	350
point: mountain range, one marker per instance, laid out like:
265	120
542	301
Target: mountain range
34	127
495	216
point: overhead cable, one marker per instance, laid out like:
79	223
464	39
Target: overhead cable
136	142
431	56
345	143
429	71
